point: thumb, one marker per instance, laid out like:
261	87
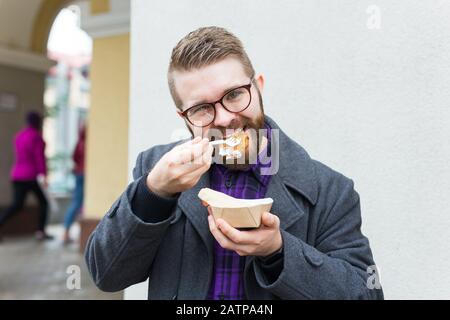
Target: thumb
195	140
189	143
268	219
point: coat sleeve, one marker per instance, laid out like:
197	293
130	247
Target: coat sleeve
337	266
120	251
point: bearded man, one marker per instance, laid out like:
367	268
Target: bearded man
310	246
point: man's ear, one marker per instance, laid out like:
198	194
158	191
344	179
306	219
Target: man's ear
259	79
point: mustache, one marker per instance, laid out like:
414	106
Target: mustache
221	131
226	131
230	129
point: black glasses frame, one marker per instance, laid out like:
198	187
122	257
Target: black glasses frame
213	104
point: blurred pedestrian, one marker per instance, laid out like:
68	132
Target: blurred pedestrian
30	163
78	196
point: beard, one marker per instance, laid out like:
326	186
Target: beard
252	128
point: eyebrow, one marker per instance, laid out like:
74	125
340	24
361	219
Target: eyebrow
221	95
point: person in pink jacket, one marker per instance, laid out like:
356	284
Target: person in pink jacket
29	163
77	200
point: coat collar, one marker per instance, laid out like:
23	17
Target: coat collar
296	168
295	171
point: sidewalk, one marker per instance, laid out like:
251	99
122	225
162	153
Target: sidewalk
34	270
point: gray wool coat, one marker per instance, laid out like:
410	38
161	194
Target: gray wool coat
325	254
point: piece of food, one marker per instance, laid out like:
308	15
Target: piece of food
239	213
235	146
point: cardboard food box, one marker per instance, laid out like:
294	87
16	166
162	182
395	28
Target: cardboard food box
239	213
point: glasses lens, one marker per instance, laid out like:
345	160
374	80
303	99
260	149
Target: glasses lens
201	115
237	100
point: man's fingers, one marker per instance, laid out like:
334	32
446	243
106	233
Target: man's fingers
218	235
183	156
190	172
202	163
194	171
238	237
207	154
193	156
208	207
202	152
269	220
197	153
190	142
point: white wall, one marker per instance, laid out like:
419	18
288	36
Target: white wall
371	103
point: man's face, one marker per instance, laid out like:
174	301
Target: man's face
209	84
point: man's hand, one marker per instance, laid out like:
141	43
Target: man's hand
180	168
259	242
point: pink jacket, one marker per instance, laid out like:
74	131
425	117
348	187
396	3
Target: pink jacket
30	155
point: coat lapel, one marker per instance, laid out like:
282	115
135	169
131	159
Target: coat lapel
197	262
294	170
284	206
197	214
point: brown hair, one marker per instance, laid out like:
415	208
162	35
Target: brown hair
203	47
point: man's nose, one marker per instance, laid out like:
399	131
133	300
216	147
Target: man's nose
223	116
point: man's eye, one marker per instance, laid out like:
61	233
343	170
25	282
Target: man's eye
234	94
199	110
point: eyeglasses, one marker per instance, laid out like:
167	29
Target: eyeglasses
234	101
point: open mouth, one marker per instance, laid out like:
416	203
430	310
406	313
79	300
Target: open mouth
235	145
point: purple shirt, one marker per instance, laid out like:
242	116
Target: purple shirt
30	155
228	274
